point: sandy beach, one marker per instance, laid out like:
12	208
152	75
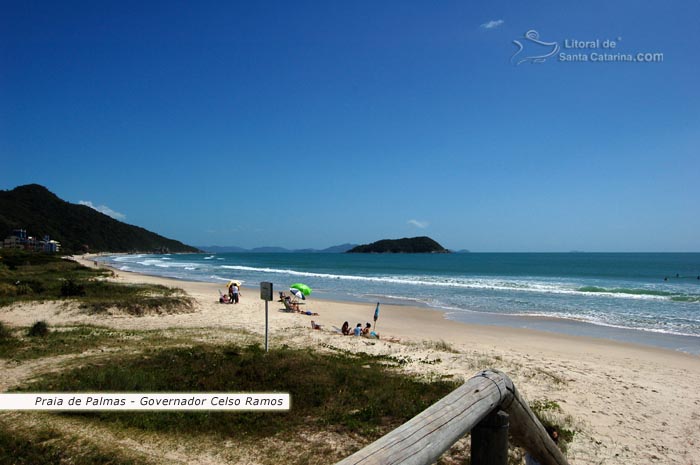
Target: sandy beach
631	404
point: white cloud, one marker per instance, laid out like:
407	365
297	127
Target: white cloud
419	224
104	209
493	24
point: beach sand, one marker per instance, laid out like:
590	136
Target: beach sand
630	404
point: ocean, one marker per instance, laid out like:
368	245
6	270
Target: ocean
644	298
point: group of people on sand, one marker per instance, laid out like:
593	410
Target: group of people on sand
292	304
233	296
359	330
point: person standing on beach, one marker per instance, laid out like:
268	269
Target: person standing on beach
230	294
235	291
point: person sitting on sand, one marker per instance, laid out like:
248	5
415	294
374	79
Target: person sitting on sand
366	329
345	329
358	330
314	325
289	303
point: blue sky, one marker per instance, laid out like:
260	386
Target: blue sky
310	124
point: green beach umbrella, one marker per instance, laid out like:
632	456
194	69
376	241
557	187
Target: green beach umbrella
306	290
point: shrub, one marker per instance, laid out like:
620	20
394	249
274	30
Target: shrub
7	290
72	289
23	289
37	286
5	333
40	328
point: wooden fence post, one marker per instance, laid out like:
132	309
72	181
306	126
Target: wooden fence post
422	439
490	440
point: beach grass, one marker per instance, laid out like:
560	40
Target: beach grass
16	344
350	395
5	333
550	415
25	344
437	345
30	277
136	300
354	396
357	395
48	446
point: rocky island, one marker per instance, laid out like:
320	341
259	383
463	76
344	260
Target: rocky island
421	244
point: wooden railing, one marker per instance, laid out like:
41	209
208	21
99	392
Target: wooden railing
488	405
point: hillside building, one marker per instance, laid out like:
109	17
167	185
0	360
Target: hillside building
21	240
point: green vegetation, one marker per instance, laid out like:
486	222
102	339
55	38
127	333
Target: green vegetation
421	244
31	276
77	227
135	299
47	446
550	415
38	329
356	396
346	394
440	345
8	343
17	345
5	333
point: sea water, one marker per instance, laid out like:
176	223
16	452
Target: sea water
635	297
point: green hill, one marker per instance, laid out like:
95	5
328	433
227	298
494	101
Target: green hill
421	244
77	227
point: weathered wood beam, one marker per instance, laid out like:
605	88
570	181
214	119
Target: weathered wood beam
425	437
528	433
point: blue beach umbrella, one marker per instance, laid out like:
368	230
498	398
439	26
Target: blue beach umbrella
376	315
297	293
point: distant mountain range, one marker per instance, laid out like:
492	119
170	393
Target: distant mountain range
78	228
232	249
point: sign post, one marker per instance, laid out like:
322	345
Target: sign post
266	295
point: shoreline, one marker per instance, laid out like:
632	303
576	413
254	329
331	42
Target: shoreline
689	344
363	312
630	403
